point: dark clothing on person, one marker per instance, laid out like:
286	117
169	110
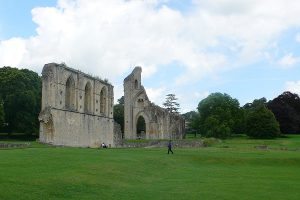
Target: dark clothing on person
170	147
104	145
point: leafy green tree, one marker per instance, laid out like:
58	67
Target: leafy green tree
256	103
121	101
216	128
219	115
171	103
286	108
192	122
261	122
190	115
119	113
21	93
2	117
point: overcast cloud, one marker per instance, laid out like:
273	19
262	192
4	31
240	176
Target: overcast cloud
108	37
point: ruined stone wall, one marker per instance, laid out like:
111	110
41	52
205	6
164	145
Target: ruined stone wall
77	109
160	124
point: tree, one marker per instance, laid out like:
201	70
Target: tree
216	128
256	103
119	113
121	101
2	117
219	115
21	94
286	108
261	122
189	115
171	103
191	119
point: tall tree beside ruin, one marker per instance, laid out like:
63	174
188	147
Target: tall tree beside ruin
119	113
21	94
171	103
1	114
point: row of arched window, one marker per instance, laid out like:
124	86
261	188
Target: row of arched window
70	97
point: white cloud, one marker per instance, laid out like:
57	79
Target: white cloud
118	92
293	86
288	61
189	101
148	70
156	95
107	38
12	51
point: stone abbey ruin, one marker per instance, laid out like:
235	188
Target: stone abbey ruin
77	110
159	123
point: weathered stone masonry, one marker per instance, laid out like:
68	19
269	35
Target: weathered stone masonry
160	124
77	109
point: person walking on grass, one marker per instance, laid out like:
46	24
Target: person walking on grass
170	147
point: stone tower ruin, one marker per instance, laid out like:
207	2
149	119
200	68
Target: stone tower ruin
77	109
158	122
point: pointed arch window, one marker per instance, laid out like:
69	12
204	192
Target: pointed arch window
103	103
70	94
88	98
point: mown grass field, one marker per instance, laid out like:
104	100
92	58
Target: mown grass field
232	169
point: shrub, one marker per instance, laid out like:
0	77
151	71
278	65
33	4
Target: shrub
261	123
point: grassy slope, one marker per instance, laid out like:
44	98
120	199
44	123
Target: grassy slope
238	171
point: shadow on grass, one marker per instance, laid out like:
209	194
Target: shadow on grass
17	137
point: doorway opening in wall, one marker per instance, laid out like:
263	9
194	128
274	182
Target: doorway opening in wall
141	128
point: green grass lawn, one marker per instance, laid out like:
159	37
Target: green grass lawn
232	169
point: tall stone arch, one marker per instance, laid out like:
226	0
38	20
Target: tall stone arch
146	120
103	100
70	94
88	97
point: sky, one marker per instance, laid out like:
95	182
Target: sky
248	49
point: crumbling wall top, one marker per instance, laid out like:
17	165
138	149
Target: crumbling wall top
136	70
50	67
